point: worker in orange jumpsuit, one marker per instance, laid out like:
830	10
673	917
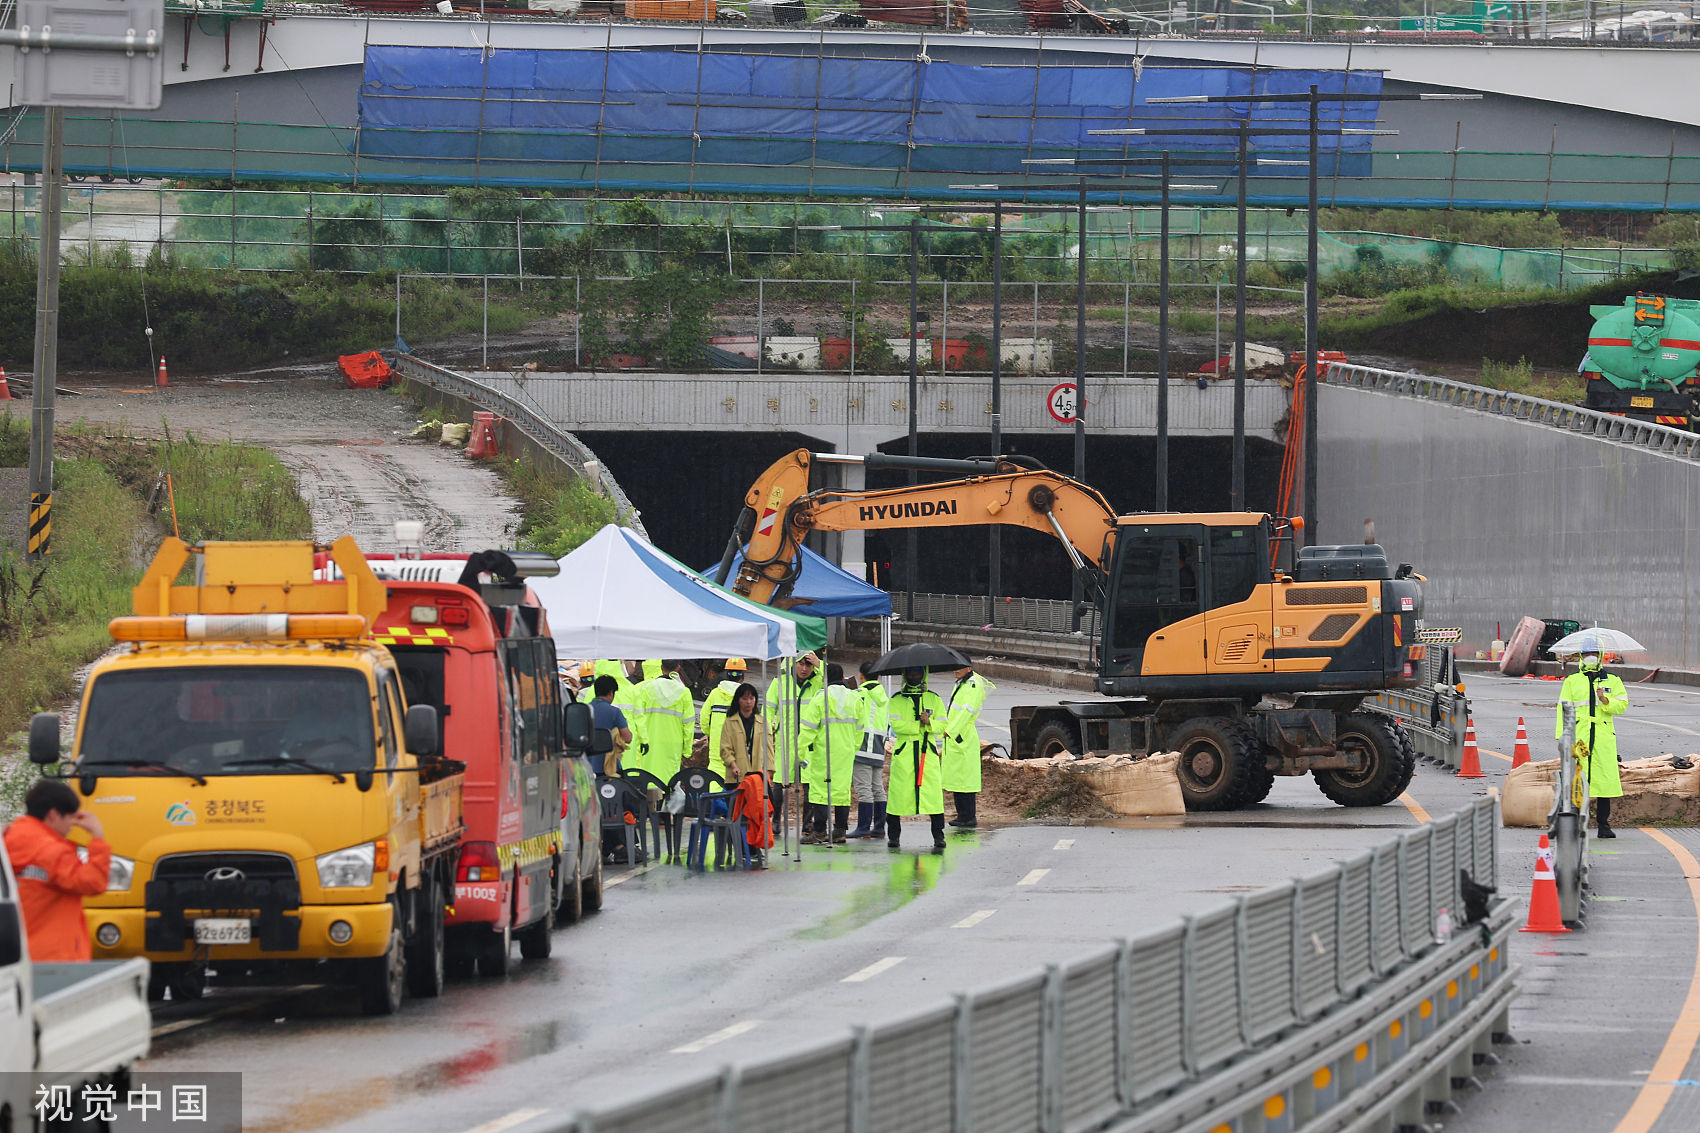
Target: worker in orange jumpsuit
52	879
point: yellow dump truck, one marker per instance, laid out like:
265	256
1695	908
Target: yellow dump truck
271	800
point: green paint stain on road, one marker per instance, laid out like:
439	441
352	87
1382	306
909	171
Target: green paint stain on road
908	876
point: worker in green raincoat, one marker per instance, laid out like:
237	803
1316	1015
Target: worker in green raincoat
626	699
1598	697
833	723
715	707
917	779
667	724
962	743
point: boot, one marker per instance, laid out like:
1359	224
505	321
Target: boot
965	813
840	824
893	831
938	833
864	821
879	820
1602	811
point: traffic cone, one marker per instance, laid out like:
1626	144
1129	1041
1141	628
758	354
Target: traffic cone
1472	768
160	382
1520	753
5	386
1543	902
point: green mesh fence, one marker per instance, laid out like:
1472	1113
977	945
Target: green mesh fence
476	232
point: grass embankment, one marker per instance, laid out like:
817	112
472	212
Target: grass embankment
53	616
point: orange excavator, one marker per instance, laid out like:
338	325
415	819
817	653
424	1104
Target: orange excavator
1209	647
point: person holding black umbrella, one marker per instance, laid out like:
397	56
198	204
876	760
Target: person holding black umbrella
917	773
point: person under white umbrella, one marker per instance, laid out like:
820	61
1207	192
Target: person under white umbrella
1598	697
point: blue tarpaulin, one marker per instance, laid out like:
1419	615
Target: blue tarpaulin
674	120
827	590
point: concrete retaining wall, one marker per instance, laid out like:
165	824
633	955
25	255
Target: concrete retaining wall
1507	518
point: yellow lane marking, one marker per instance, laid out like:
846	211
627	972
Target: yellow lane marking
1679	1046
1416	808
1495	754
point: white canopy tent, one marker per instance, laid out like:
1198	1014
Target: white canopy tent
610	601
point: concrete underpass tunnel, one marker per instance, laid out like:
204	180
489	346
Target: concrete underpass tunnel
690	487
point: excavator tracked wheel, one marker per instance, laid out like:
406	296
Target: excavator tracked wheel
1220	767
1391	761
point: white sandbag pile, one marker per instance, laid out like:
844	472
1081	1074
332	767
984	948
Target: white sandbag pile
1127	786
1654	790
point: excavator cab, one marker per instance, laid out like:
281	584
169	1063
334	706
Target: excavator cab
1184	605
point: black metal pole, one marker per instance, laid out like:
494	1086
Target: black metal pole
914	554
1312	283
1162	501
1079	382
1236	491
995	577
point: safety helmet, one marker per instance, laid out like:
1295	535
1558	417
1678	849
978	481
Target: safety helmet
586	670
734	665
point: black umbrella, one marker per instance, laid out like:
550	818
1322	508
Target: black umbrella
921	655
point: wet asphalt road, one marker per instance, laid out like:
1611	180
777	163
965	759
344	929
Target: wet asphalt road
677	959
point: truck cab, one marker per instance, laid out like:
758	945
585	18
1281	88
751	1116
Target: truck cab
271	799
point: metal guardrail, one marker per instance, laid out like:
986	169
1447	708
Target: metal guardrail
1324	1004
1435	713
562	445
1535	410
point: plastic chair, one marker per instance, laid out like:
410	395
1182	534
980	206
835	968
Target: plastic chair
617	798
694	782
709	805
716	822
646	782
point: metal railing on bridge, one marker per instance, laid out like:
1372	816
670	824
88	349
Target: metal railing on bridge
1333	1000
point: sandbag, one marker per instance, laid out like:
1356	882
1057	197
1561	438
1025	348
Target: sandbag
1529	794
1520	650
1141	787
455	435
1657	776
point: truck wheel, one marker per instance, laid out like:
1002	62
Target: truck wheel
1054	739
572	899
1219	767
426	966
383	979
495	953
1261	780
536	939
1387	771
592	888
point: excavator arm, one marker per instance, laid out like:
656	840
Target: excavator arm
780	511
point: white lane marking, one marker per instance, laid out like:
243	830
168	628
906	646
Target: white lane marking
873	970
508	1121
625	877
1064	844
1033	877
719	1036
973	919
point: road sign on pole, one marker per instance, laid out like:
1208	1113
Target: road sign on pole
1060	401
104	53
101	53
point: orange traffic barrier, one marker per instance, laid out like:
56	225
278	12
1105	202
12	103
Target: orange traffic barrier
160	381
1520	753
483	440
1472	765
1543	902
5	386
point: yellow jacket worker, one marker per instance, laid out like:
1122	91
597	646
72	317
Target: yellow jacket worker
1598	697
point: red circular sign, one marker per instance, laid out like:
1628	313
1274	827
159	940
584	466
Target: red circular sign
1061	402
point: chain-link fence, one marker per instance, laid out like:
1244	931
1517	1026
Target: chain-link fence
483	232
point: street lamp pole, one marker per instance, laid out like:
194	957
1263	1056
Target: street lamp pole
1162	461
1079	380
1312	238
1236	486
995	577
913	545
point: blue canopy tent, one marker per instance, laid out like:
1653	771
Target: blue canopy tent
827	590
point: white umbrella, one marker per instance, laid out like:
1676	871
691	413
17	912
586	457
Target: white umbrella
1596	640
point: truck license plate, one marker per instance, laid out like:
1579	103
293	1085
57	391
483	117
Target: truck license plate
232	930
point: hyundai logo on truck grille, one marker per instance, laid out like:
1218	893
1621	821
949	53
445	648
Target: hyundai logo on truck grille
226	873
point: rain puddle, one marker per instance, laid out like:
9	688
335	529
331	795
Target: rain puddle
907	876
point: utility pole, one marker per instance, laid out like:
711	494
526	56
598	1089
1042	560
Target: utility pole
46	339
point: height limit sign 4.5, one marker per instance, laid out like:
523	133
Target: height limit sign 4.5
1062	402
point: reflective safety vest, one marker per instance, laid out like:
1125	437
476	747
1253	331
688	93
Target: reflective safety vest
879	721
785	695
712	721
833	723
665	707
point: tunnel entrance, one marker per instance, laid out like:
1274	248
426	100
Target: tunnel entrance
690	486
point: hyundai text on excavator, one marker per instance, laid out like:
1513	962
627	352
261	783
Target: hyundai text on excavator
1248	670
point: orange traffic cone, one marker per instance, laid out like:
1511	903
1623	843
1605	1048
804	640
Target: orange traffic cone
1543	902
1520	753
1472	768
5	386
160	382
